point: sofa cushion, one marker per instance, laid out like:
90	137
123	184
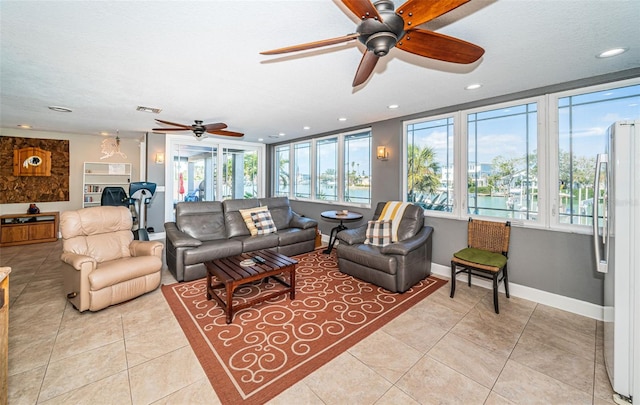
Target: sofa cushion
212	250
103	233
280	210
232	217
251	243
479	256
378	232
368	256
189	220
248	221
263	222
291	236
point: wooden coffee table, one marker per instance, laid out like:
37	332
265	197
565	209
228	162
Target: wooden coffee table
230	275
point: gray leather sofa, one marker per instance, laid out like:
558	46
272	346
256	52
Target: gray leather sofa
396	267
210	230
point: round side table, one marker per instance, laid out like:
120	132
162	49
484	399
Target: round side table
350	216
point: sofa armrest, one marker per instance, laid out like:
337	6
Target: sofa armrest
79	262
179	238
353	236
301	222
404	247
146	248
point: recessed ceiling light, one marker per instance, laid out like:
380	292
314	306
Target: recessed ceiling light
306	128
103	133
393	106
342	119
24	126
59	109
260	139
281	134
612	52
473	86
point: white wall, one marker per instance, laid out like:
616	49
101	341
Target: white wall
82	148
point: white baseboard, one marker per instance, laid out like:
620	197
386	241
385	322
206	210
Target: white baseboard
541	297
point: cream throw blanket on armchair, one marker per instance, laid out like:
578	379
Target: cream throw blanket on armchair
394	210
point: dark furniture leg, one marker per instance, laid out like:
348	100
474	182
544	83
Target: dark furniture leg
332	237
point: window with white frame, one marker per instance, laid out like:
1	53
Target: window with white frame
430	163
282	178
333	169
502	175
302	166
583	119
357	168
327	169
502	150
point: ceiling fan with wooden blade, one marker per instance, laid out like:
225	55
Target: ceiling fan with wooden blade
381	28
199	129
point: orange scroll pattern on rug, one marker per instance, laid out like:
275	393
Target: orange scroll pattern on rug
270	346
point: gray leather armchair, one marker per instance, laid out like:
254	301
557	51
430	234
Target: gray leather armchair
397	266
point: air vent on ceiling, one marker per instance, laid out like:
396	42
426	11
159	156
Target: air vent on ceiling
149	109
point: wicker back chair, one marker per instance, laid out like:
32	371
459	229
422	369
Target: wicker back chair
485	255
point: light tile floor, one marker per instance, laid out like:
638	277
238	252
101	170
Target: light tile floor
442	351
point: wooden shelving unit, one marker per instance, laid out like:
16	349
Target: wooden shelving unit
23	229
98	175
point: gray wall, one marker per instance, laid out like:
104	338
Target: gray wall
557	262
155	174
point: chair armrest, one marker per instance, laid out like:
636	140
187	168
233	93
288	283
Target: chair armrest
302	222
146	248
179	238
79	262
353	236
403	248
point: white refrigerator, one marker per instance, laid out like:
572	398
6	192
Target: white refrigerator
616	229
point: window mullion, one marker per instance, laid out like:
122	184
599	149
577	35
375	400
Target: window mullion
462	163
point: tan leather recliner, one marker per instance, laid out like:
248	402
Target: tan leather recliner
104	265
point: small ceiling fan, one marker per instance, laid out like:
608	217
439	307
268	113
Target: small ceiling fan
199	129
382	28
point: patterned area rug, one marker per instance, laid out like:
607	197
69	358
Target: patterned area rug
271	346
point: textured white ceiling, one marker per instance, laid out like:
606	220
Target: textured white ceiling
200	60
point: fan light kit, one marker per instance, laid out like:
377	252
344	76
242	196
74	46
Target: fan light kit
381	28
199	129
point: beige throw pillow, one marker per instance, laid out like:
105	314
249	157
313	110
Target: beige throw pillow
246	215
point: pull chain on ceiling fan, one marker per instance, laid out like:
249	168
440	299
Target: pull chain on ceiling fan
382	28
199	129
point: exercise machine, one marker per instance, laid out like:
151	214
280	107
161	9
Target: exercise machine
140	194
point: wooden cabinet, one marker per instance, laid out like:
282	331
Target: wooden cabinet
22	229
4	334
98	175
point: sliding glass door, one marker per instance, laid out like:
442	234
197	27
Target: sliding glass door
211	170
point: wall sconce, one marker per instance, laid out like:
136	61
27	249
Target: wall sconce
160	158
382	153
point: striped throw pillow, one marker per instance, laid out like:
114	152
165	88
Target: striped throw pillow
246	215
263	222
378	233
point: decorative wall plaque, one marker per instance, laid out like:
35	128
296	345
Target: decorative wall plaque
31	162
